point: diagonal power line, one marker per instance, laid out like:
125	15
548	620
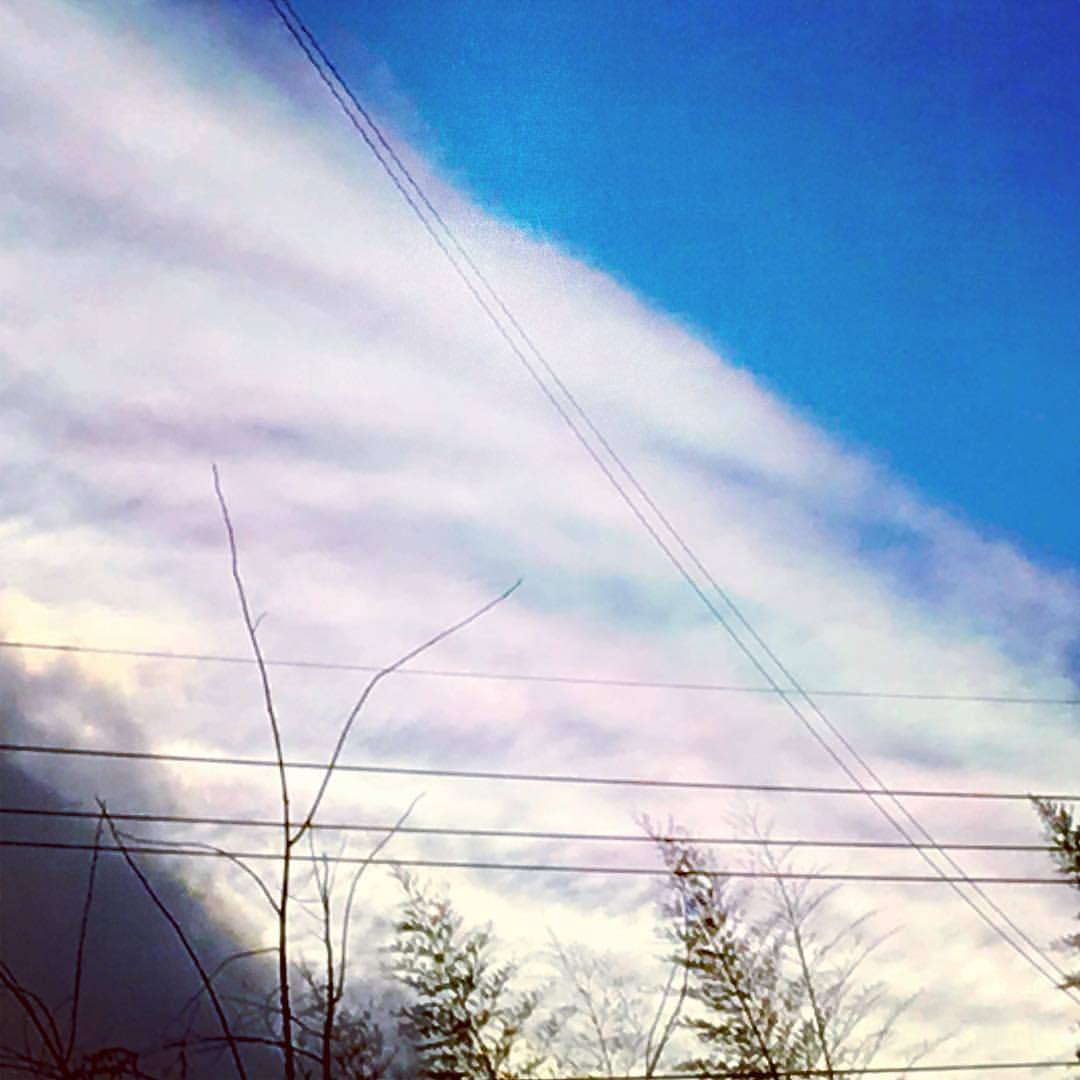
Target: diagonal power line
792	694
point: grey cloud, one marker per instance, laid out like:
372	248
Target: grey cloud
136	979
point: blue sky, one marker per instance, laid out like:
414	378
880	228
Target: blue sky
872	207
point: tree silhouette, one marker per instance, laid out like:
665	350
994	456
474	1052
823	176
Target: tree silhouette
464	1018
1063	834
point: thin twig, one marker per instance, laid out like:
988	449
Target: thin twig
372	855
442	635
236	860
585	993
242	955
205	1043
282	903
664	994
44	1024
251	625
84	923
182	937
795	921
336	977
796	914
652	1062
330	992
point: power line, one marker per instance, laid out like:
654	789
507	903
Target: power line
517	676
527	777
870	1070
875	1070
315	53
142	847
509	834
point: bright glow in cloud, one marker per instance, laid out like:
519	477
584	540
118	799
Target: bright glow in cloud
214	271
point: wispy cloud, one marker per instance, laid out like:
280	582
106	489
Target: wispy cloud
214	271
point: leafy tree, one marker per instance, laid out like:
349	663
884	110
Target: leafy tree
749	1015
1062	832
766	993
464	1019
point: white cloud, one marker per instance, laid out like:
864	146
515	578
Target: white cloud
203	272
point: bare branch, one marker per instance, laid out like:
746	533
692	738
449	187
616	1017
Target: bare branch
251	625
331	994
442	635
208	1042
282	903
171	845
182	937
291	837
39	1016
244	954
664	995
795	913
80	949
585	993
372	855
653	1060
796	920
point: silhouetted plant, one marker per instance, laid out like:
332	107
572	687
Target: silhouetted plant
294	828
1062	832
46	1051
362	1044
464	1018
766	994
606	1018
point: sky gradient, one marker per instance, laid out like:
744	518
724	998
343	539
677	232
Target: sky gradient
205	265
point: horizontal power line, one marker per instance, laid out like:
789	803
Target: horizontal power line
513	834
868	1070
569	680
165	848
526	777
